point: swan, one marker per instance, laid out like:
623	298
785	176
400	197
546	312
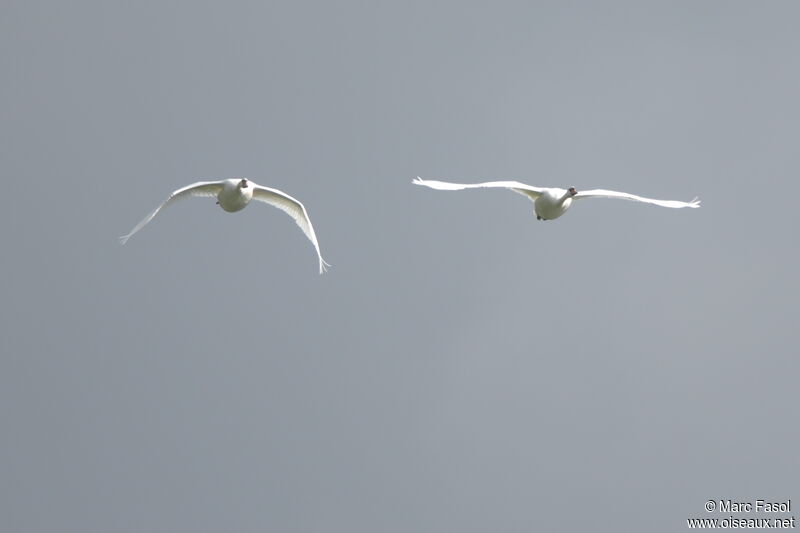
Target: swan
234	195
550	203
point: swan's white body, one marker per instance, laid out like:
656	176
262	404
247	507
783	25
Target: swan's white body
550	203
234	195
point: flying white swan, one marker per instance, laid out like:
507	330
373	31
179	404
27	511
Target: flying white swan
234	195
548	202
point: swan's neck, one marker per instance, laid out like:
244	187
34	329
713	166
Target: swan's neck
566	196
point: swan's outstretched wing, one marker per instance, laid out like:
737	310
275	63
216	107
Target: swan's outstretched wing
201	188
294	209
602	193
526	190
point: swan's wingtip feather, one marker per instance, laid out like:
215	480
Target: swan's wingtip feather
123	239
417	181
323	266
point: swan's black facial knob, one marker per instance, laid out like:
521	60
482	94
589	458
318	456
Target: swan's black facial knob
572	191
243	184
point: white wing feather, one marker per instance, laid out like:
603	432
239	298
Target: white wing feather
201	188
602	193
526	190
294	209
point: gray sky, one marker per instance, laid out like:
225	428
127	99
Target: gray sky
462	367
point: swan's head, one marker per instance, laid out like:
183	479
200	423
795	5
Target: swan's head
243	184
572	191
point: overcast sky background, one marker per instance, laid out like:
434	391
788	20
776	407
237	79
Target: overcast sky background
462	367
